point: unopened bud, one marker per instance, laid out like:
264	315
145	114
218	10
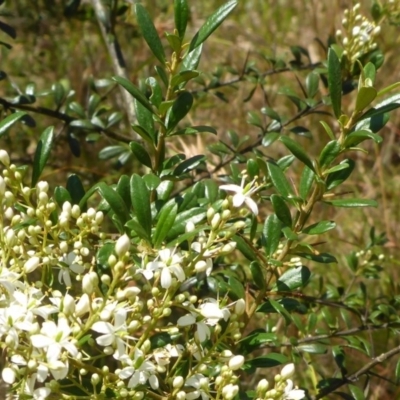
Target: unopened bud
122	245
236	362
287	371
31	264
4	158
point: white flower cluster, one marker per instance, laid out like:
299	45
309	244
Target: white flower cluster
116	329
359	34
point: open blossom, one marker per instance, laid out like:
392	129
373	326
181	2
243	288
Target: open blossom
70	264
170	264
242	195
293	394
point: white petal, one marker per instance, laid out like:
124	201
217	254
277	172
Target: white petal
238	200
126	372
165	254
211	310
232	188
40	341
186	320
120	317
178	272
41	393
8	375
105	340
203	331
102	327
252	205
165	278
153	382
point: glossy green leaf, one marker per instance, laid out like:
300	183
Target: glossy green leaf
149	32
192	59
268	361
123	189
284	306
181	13
257	274
329	153
272	234
192	130
211	190
140	154
115	202
8	121
352	203
335	82
319	228
244	248
328	130
312	84
255	340
397	372
236	289
183	77
356	392
188	165
280	309
355	138
212	23
133	91
389	104
61	195
297	151
306	181
293	278
313	348
134	226
323	258
179	109
365	96
174	41
195	215
279	180
165	222
160	339
336	178
42	153
281	209
75	189
269	138
140	197
111	151
144	118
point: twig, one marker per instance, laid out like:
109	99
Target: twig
356	375
114	50
62	117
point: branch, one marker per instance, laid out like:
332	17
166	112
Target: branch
356	375
114	50
62	117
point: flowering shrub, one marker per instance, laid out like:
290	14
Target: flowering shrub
169	285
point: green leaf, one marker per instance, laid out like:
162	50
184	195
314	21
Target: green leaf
319	227
397	372
297	151
352	203
133	225
188	165
313	348
281	209
140	153
279	180
355	138
257	274
389	104
329	153
195	215
365	96
255	340
140	197
293	278
211	190
272	234
236	290
336	178
328	130
323	258
306	181
8	121
165	222
212	23
160	339
244	248
123	189
9	30
183	77
192	130
356	392
268	361
149	32
75	189
312	84
115	201
181	13
144	118
335	82
269	138
42	153
192	59
179	109
133	91
111	151
61	195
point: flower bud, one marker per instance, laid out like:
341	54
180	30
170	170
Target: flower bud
190	227
4	158
200	266
216	219
122	246
230	391
287	371
178	382
228	248
95	379
31	264
68	305
236	362
2	186
240	307
8	374
210	214
262	386
87	284
42	186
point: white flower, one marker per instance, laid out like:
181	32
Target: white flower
55	338
122	245
200	383
169	262
213	313
39	393
112	333
292	394
139	370
70	264
203	331
242	195
287	371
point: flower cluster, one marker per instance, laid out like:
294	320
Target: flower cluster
114	318
359	34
